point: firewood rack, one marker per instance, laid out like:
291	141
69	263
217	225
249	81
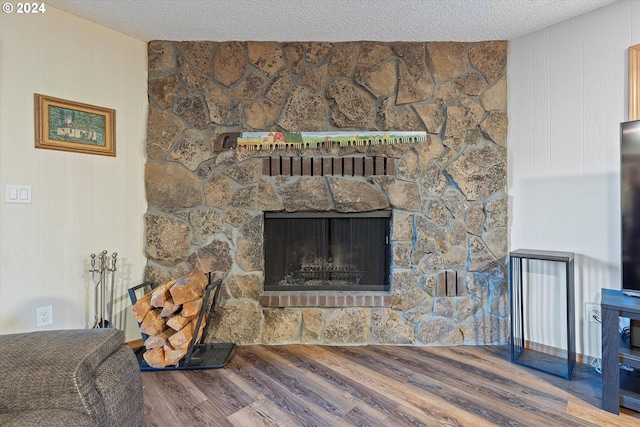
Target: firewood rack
200	355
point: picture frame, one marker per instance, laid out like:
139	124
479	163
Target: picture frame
634	82
72	126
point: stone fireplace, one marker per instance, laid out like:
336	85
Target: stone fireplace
446	196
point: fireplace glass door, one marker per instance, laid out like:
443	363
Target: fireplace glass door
326	251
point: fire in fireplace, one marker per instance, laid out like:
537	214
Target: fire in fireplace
326	251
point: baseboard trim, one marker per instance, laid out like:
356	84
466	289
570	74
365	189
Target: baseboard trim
135	343
554	351
580	358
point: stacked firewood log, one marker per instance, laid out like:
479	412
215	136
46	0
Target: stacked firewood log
168	315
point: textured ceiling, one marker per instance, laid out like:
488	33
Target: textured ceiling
327	20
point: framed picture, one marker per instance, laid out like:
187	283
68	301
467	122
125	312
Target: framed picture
73	126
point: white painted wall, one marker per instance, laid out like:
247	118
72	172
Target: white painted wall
81	203
567	94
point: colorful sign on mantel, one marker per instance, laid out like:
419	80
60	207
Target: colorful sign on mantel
301	140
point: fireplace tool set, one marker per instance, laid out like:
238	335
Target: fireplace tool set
101	274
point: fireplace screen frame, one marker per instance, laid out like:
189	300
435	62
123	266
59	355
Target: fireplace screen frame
384	252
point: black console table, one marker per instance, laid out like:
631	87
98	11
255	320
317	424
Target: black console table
619	388
522	353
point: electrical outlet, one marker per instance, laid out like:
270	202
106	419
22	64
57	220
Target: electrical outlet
592	344
44	316
592	312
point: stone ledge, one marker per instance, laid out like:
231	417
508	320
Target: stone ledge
325	299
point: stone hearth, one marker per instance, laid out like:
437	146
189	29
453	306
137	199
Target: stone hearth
447	195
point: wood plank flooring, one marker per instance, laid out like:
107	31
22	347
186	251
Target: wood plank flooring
310	385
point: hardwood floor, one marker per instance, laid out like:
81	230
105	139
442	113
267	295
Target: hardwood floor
309	385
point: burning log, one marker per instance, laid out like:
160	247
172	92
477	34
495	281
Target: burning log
168	315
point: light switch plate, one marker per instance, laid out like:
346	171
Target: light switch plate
17	193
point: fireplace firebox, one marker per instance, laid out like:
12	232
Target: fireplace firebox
326	251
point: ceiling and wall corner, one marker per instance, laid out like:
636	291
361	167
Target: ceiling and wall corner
567	96
328	20
600	37
81	203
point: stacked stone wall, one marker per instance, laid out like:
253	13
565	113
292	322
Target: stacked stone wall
448	199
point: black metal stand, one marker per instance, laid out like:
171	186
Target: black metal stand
521	351
200	355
